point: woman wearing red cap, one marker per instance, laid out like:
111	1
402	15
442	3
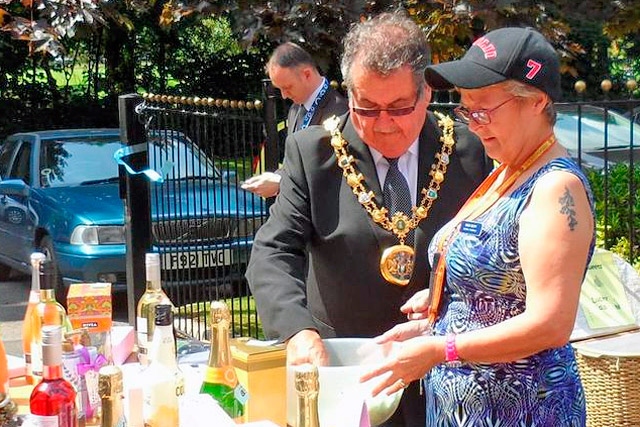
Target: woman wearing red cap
492	343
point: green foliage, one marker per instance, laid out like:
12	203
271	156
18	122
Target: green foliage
617	219
625	59
208	49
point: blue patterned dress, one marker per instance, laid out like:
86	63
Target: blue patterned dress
485	285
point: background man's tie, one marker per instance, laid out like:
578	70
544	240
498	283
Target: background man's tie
396	194
300	117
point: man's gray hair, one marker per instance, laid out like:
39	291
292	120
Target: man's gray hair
385	43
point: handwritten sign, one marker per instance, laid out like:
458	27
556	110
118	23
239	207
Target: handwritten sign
603	298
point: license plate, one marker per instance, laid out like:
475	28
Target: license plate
198	259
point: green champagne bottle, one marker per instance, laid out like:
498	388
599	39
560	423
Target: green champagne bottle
220	381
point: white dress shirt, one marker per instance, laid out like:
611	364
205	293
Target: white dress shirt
408	165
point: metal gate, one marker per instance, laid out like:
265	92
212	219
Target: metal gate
203	224
194	155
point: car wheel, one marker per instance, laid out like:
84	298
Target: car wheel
15	216
46	247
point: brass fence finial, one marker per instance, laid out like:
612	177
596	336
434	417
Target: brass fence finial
631	85
580	86
606	85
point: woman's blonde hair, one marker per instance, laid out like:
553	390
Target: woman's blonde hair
523	90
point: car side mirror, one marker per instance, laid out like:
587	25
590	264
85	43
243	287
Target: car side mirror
14	187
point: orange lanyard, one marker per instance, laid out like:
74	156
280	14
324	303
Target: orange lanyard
475	206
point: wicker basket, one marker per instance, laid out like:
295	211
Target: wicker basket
611	381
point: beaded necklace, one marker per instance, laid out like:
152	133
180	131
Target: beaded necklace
396	263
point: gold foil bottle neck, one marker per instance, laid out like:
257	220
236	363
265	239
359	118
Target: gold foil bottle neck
306	379
307	386
110	381
220	313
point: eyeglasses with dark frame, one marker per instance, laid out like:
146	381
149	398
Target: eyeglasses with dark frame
482	116
393	112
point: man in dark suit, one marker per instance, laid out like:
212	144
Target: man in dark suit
331	203
292	70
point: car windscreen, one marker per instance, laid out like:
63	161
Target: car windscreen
88	161
78	161
185	158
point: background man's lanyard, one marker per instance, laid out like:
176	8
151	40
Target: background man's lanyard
306	121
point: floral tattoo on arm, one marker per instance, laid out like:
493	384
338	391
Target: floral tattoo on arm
568	208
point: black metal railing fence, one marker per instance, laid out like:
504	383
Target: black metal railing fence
203	224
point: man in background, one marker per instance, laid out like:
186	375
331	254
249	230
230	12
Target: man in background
292	70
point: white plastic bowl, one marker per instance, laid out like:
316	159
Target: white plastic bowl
349	358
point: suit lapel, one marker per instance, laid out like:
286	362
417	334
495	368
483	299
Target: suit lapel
428	145
365	165
294	118
319	113
364	160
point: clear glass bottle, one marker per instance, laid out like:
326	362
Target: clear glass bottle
220	381
111	394
307	387
145	310
162	380
48	312
27	325
53	399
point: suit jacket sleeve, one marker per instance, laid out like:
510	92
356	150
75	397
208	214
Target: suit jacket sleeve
277	268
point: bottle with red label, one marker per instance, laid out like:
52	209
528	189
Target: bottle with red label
53	400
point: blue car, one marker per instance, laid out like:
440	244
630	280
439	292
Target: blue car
59	193
597	134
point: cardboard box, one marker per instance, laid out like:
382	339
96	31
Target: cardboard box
89	306
122	340
261	369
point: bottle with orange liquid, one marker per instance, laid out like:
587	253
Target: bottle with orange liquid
8	408
48	312
4	370
34	298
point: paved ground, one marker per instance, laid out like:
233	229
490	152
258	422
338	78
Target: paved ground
13	303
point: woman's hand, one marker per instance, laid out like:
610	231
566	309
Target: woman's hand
417	307
410	362
404	331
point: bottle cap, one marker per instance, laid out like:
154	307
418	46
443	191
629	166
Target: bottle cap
37	257
220	312
110	381
48	273
152	259
164	315
52	335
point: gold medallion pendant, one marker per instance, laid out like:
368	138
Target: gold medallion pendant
396	264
